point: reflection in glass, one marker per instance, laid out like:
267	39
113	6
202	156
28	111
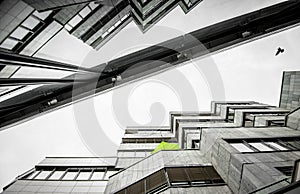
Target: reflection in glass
261	147
241	147
84	175
56	175
85	11
74	21
70	175
43	175
97	175
275	145
19	33
30	22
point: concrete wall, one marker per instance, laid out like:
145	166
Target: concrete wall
293	120
246	172
290	91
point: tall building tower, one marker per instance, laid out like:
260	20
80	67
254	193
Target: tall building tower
29	26
237	147
96	22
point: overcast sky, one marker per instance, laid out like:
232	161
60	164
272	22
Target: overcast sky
95	126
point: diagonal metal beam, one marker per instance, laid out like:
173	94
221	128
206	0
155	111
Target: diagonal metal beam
27	61
215	38
34	81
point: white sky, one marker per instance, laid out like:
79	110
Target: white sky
247	72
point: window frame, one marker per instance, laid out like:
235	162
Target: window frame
284	142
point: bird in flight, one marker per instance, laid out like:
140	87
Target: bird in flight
279	50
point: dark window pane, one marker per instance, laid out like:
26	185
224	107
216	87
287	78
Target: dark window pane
138	188
121	192
155	180
177	175
212	173
197	174
295	144
286	170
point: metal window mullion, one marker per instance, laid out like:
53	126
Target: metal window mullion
35	17
250	146
61	176
167	177
270	146
90	7
253	121
286	145
189	178
26	28
296	141
47	177
64	174
80	17
78	172
40	171
16	39
104	173
207	174
145	184
92	172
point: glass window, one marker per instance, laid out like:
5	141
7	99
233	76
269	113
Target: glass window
177	175
241	147
118	23
93	5
111	29
109	173
97	175
84	175
19	33
104	34
42	15
261	147
75	20
276	145
43	175
68	27
286	170
155	180
85	11
70	175
56	175
266	144
138	187
124	17
30	22
295	144
32	174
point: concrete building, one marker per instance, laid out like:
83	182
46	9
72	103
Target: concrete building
96	22
21	92
65	175
290	90
24	30
237	147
